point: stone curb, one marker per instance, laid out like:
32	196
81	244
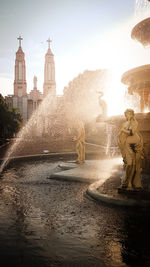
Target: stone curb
66	174
53	154
57	154
72	178
93	192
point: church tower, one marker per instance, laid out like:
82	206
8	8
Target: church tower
20	85
20	98
49	73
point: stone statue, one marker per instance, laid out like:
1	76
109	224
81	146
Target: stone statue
103	107
131	146
80	142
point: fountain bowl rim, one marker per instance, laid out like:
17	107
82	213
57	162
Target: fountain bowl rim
127	76
138	29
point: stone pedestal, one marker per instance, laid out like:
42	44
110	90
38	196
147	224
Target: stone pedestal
134	194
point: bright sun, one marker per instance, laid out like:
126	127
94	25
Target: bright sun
119	53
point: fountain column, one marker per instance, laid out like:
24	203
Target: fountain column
144	105
138	81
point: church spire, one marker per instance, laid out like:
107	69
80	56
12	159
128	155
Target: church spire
35	82
20	86
49	72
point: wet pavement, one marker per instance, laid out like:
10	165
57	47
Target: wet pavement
45	222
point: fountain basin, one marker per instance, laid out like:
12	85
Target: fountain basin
137	75
138	81
141	32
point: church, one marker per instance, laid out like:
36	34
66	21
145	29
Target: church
27	103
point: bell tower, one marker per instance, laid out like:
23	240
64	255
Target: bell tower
20	85
49	72
20	97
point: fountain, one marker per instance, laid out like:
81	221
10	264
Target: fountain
141	32
134	139
138	81
52	125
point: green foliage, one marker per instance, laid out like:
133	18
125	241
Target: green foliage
10	120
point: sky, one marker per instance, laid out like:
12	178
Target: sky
85	34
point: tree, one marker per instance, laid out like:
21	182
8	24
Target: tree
10	120
81	94
15	121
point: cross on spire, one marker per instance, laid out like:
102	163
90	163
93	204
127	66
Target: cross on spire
20	39
49	41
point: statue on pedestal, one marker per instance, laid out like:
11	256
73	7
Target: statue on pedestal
80	142
131	146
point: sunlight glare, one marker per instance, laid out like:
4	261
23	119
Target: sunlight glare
119	53
146	110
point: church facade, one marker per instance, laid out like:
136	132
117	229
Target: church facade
27	103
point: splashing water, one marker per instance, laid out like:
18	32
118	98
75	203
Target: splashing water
29	130
142	8
112	140
55	120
